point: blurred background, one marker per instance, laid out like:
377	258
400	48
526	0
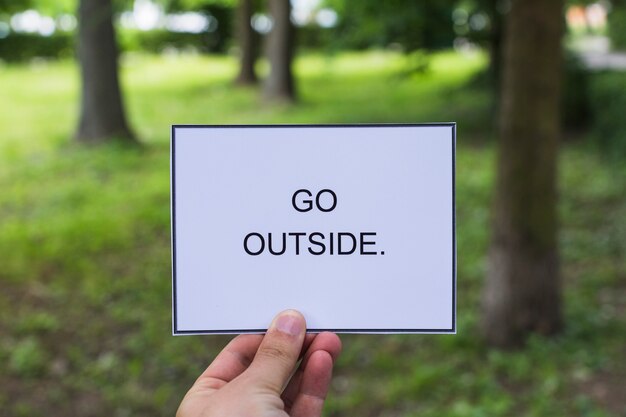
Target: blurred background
89	89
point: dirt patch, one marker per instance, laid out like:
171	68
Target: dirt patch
607	389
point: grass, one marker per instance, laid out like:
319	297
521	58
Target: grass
85	250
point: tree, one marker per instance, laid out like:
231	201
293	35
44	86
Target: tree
46	7
102	112
8	6
218	35
247	39
522	291
489	36
279	85
412	24
617	24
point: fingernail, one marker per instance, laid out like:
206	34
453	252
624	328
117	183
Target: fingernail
289	324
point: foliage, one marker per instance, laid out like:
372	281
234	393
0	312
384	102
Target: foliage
28	359
617	27
8	6
413	25
85	279
157	41
477	19
25	46
197	4
575	98
608	101
216	41
47	7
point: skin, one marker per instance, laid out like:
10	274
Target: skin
254	375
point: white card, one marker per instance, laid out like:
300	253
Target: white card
353	225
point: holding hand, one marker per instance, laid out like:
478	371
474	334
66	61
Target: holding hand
251	376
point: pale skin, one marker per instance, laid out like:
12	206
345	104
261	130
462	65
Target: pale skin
256	375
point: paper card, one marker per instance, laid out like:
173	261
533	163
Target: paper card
353	225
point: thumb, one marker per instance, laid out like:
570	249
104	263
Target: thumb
279	351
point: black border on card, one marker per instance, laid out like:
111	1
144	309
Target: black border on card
176	331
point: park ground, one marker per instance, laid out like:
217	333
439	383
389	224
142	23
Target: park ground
85	320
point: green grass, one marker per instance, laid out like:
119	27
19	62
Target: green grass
85	250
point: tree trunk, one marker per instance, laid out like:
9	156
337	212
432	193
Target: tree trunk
247	39
496	14
495	42
279	85
102	112
522	291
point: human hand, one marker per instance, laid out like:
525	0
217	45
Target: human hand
252	376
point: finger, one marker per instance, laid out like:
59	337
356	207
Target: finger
325	341
231	361
314	386
237	356
279	351
308	339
